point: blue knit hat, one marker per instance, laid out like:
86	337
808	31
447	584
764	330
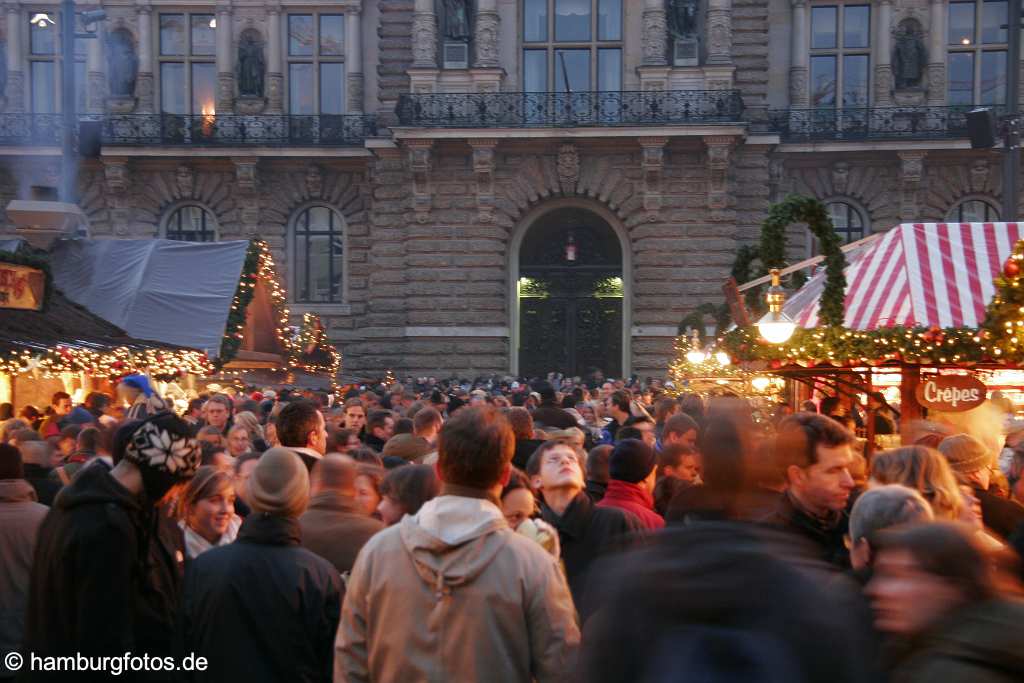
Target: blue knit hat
140	382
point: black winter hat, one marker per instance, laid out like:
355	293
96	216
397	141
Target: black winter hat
631	461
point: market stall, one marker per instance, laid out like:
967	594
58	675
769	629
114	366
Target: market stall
48	343
223	297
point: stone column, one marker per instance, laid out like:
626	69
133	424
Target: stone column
144	81
96	89
485	35
225	69
424	35
354	62
883	55
800	59
911	175
15	92
275	81
937	53
655	36
719	31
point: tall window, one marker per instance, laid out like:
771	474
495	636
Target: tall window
840	55
578	39
972	211
977	52
316	63
847	220
319	253
188	70
191	223
44	63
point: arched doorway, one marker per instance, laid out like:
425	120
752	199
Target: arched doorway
570	295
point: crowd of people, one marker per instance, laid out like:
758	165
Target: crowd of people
506	531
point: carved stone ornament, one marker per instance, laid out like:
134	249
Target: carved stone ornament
652	161
980	170
568	167
424	39
909	57
719	151
911	172
840	177
719	36
483	167
115	176
419	164
251	65
185	179
798	85
486	41
245	174
314	181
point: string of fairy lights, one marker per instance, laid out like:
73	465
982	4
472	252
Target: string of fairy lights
107	362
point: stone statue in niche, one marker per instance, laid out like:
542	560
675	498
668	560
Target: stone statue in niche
122	63
908	55
251	65
456	20
682	18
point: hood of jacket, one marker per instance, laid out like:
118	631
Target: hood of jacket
95	485
17	491
452	539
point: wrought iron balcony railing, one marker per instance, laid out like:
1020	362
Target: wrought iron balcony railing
222	130
864	123
30	129
567	110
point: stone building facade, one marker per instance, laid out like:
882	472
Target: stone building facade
408	170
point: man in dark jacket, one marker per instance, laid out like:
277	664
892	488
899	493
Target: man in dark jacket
972	464
817	456
37	457
302	430
105	578
264	608
334	527
380	427
585	531
549	414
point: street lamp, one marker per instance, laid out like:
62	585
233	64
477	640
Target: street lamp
776	327
69	168
695	355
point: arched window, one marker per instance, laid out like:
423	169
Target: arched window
191	223
972	211
319	240
848	221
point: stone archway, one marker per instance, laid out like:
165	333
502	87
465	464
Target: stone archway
570	291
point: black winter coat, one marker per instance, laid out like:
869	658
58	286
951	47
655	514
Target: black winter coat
549	416
828	538
106	575
586	532
39	477
999	514
262	608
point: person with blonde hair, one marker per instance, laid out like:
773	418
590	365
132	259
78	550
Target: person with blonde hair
924	470
252	425
206	511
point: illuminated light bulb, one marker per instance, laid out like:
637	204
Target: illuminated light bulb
760	383
723	358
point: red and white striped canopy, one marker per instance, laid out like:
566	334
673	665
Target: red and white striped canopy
917	275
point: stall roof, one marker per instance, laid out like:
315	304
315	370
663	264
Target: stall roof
917	275
176	292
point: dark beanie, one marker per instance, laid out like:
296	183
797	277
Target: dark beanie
631	461
10	463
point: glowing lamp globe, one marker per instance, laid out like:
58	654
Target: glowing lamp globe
723	358
760	383
695	356
776	328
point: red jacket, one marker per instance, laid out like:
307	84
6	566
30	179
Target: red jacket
633	498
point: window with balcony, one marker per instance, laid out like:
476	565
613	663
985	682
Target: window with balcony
190	223
840	59
973	211
319	248
316	64
45	60
188	70
572	45
976	60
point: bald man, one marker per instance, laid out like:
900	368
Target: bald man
333	527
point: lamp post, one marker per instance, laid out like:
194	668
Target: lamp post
69	103
1011	134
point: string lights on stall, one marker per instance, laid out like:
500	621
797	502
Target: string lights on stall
258	267
111	362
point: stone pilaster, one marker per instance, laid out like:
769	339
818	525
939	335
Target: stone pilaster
354	92
424	35
883	55
652	162
799	58
15	91
144	79
483	168
275	81
719	153
937	53
96	79
420	165
911	173
719	29
225	61
116	181
247	190
655	33
486	32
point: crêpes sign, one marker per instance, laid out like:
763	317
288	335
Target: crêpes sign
951	393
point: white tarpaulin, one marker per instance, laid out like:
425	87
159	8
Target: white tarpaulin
164	290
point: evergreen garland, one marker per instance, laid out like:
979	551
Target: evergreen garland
1004	320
